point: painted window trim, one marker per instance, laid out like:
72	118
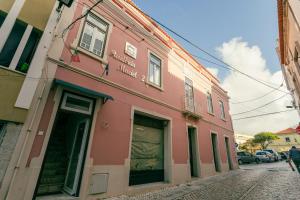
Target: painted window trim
160	87
222	109
75	44
208	106
86	21
66	95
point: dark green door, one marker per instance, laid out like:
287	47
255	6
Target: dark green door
147	153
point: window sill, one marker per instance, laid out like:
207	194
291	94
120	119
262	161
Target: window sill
212	114
82	50
154	86
223	119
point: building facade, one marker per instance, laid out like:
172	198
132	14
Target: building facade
289	45
287	139
119	104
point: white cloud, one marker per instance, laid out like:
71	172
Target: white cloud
214	71
249	59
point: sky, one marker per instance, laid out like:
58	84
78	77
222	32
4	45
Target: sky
243	34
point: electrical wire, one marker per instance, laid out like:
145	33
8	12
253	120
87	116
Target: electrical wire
264	105
80	17
211	55
257	98
266	114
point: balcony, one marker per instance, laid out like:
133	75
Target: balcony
190	108
20	46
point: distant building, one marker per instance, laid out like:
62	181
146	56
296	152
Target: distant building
287	139
289	45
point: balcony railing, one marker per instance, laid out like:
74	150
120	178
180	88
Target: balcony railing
20	47
190	108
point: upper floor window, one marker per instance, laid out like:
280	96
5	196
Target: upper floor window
94	35
287	139
154	75
222	110
210	103
189	94
20	47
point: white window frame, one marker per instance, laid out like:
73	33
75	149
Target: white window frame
222	109
188	82
66	95
95	22
210	106
160	71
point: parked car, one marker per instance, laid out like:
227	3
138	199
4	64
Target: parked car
275	154
246	157
283	155
265	156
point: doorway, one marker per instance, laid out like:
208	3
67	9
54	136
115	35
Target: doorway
147	151
193	151
65	154
228	153
214	141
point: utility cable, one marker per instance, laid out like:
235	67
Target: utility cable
211	55
80	17
272	113
257	98
270	102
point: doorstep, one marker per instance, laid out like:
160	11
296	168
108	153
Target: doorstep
57	197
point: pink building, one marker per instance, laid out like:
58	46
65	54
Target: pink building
136	109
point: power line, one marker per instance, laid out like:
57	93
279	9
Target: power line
209	54
257	98
270	102
272	113
80	17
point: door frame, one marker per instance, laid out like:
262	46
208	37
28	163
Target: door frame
58	99
228	152
217	162
72	191
168	158
196	149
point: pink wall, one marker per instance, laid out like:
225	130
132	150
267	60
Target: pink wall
111	140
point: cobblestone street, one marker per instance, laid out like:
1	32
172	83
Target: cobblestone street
260	182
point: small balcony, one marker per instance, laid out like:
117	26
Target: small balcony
20	46
190	108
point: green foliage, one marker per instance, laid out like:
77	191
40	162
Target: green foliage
264	139
248	146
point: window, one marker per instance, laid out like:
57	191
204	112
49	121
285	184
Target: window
76	103
20	62
189	95
222	109
287	139
209	103
154	75
94	35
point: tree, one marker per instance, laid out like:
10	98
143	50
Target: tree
264	139
249	146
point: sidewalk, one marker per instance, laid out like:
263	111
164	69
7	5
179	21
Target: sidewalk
260	182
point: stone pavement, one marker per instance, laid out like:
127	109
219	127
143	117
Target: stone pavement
268	181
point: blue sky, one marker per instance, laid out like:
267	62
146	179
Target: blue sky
209	23
219	23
